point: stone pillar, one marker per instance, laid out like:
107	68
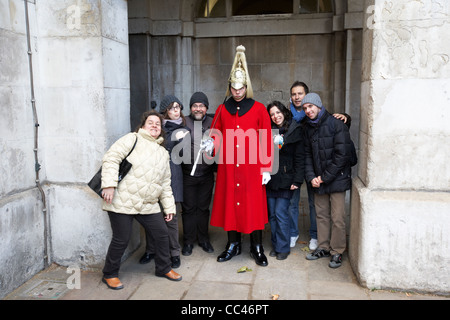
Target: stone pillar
400	221
79	55
82	72
24	248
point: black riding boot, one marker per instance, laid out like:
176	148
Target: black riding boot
233	247
256	248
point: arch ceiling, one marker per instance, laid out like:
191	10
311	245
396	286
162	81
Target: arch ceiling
217	8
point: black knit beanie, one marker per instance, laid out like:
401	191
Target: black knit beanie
166	101
199	97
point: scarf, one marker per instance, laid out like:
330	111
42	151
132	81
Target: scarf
297	115
316	120
179	121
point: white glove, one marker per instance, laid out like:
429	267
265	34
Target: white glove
180	134
278	140
207	145
266	178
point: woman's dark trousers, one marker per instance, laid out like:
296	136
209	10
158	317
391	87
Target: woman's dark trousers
121	225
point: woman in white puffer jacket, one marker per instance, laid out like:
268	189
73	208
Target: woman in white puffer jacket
138	196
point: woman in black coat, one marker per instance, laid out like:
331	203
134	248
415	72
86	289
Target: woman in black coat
175	129
288	140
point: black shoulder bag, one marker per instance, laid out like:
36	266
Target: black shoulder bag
125	166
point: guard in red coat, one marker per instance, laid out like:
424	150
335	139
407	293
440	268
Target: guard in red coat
244	147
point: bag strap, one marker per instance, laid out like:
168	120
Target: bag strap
132	148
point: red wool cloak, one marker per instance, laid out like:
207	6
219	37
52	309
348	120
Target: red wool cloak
245	151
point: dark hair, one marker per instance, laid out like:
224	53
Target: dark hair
299	84
147	114
285	111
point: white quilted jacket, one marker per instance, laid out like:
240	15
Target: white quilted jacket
148	181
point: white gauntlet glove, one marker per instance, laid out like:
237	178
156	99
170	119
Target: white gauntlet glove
265	178
207	145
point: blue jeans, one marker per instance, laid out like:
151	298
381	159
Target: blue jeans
279	224
293	213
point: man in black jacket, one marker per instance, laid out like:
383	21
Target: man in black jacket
327	167
197	191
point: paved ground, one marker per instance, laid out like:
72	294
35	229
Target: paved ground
205	279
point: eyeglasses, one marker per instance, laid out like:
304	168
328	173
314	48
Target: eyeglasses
198	106
175	108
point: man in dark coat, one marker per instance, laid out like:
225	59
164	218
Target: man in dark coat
197	191
327	167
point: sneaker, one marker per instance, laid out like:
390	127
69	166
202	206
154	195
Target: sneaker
317	254
313	244
293	241
336	261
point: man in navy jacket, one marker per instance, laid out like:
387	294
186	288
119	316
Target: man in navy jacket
327	167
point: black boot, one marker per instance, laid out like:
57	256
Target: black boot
256	248
233	247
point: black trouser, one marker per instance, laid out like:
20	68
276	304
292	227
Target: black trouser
197	194
255	237
121	225
174	244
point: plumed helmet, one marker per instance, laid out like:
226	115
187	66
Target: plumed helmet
239	76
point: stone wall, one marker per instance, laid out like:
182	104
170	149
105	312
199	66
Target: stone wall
400	234
80	67
184	55
22	220
274	63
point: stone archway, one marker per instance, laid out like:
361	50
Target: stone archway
393	194
171	55
182	55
